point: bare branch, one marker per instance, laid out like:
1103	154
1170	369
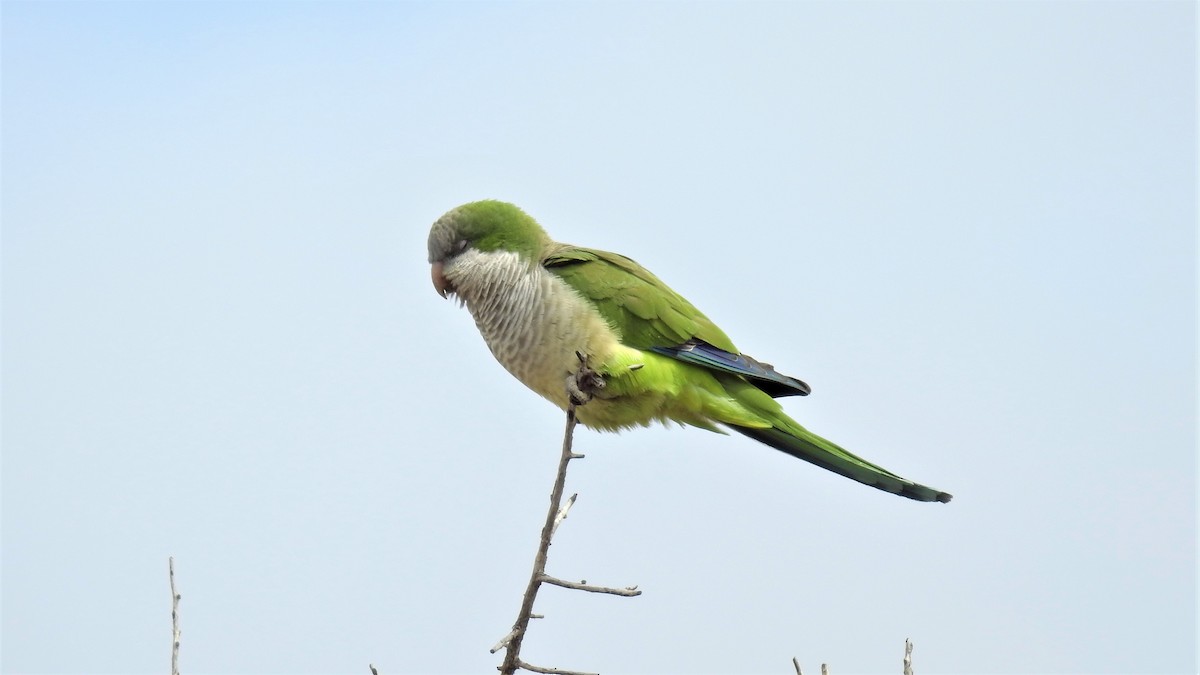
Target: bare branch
372	667
796	663
511	657
824	669
581	387
908	657
552	671
628	592
174	617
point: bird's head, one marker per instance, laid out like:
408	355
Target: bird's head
481	228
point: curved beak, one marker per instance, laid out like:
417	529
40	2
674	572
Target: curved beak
440	283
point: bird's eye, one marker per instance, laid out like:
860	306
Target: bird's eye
460	246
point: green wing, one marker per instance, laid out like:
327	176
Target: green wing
645	311
651	316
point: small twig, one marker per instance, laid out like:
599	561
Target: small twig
174	617
372	667
504	641
824	669
562	513
629	592
908	657
796	663
552	671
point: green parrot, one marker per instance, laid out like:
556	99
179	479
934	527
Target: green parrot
540	304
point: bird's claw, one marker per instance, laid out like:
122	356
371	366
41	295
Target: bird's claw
583	384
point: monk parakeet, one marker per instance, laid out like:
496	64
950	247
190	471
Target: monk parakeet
540	304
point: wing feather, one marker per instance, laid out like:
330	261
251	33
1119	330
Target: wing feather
649	315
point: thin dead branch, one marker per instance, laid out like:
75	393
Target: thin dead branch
580	386
553	671
628	592
174	617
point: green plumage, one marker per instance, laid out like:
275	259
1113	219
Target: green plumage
662	359
644	310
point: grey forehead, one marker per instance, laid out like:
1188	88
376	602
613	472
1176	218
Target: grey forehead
442	236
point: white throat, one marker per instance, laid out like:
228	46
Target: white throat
532	321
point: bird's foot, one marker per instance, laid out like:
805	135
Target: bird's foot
583	384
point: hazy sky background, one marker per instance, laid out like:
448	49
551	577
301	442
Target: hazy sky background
971	227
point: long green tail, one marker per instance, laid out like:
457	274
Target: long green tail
799	442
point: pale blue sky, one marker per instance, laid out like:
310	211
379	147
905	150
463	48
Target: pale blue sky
971	227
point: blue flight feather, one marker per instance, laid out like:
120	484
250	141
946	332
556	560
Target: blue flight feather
761	375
